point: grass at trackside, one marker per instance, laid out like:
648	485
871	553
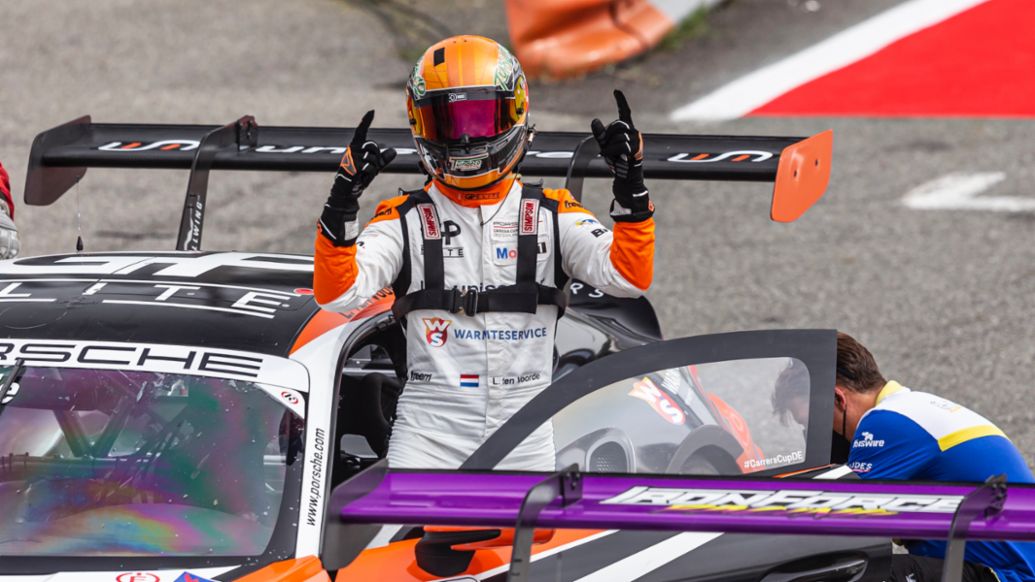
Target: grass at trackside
692	27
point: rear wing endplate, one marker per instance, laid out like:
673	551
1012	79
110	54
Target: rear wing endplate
798	167
568	499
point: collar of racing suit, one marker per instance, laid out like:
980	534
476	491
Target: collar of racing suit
487	196
890	388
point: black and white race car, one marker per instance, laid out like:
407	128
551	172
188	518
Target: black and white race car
185	415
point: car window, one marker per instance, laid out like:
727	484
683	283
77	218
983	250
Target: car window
134	463
715	418
727	404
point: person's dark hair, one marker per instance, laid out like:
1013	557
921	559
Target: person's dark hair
856	368
792	384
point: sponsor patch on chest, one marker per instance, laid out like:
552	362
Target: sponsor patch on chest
504	230
503	254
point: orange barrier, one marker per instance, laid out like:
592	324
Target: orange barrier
563	38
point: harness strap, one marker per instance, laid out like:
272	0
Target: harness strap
519	298
524	296
528	233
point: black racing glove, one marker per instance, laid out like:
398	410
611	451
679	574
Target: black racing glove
622	148
362	161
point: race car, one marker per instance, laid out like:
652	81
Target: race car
186	415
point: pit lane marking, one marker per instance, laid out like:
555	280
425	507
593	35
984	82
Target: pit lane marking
960	191
754	90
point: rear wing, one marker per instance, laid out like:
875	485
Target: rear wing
798	167
568	499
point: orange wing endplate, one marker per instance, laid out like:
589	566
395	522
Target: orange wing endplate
802	176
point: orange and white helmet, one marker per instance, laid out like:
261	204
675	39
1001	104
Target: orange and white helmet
467	101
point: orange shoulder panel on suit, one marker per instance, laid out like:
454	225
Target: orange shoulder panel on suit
388	209
565	201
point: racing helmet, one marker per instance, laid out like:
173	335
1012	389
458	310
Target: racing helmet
467	103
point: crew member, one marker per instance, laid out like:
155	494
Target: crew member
477	258
898	433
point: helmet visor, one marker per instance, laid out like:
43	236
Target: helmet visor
447	116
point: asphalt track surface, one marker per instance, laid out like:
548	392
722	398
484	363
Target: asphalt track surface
944	298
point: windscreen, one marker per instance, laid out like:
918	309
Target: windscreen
133	463
721	418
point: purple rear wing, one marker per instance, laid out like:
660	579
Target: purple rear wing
852	507
777	506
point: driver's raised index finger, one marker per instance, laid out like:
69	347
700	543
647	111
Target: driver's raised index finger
360	135
624	113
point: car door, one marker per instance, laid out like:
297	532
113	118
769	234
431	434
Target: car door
756	403
663	401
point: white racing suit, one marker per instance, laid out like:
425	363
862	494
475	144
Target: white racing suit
468	374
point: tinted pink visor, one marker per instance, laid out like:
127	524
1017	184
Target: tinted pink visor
448	116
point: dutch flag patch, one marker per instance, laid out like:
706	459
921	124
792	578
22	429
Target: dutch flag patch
468	380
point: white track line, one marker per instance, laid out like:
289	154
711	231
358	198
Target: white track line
651	558
959	191
844	48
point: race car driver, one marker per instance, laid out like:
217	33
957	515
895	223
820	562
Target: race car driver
478	257
898	433
9	245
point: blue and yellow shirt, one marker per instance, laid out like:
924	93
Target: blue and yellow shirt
923	437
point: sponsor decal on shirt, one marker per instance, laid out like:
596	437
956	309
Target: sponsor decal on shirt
504	335
585	221
515	380
662	403
507	253
419	376
429	221
469	380
786	500
860	467
868	441
436	331
448	252
504	230
529	223
450	230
